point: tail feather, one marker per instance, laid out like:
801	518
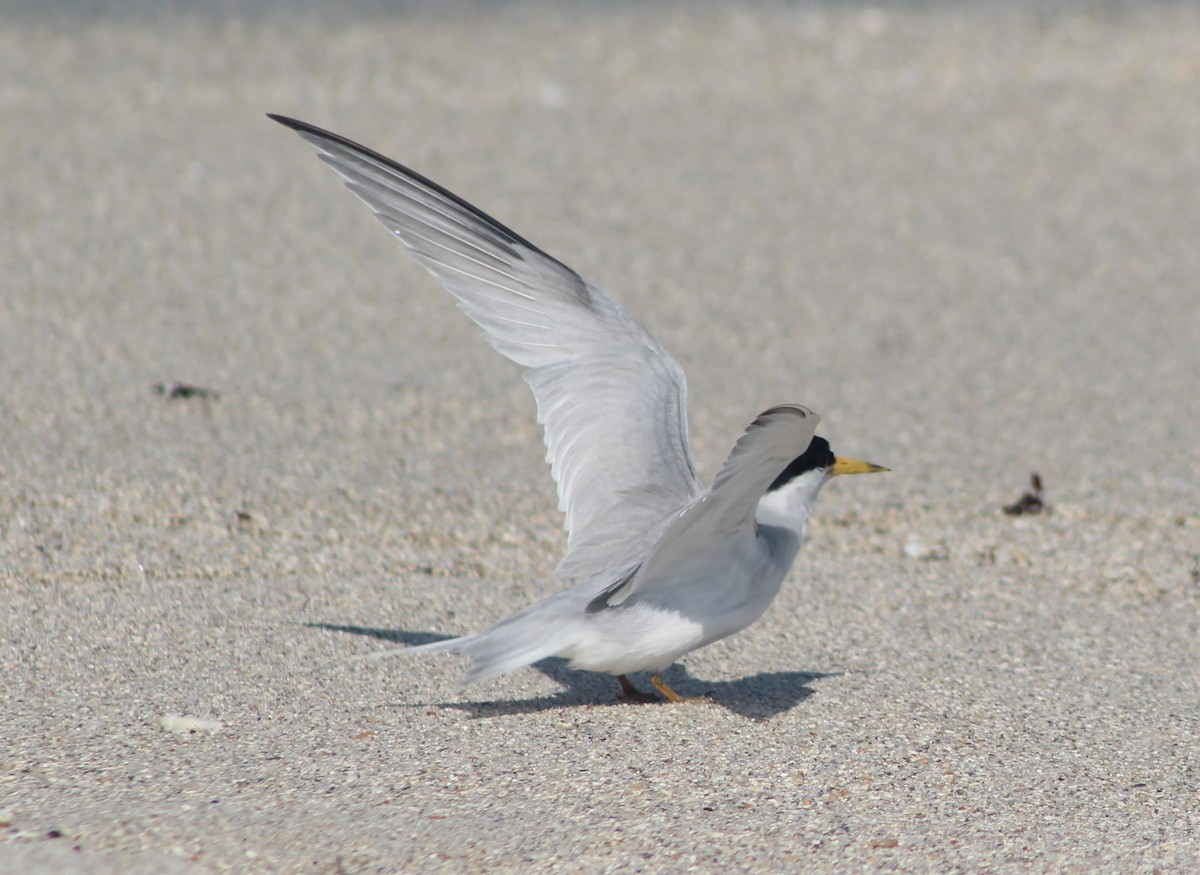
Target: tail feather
522	639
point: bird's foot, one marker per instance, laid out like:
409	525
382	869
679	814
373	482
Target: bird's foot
629	691
671	695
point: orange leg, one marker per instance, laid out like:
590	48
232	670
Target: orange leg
672	696
629	691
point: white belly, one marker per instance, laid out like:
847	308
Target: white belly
653	629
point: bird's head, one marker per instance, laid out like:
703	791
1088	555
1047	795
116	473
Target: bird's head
809	471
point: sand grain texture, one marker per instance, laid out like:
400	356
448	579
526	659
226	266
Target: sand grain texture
965	235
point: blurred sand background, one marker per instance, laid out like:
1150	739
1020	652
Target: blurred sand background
966	234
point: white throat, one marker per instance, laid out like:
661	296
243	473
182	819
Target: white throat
789	506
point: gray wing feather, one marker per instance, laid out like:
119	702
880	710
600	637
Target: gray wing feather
611	399
726	510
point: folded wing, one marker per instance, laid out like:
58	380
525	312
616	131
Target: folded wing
725	511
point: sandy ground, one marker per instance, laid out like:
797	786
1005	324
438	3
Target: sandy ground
965	235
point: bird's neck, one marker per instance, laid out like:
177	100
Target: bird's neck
789	506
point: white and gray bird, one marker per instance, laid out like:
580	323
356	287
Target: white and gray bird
662	564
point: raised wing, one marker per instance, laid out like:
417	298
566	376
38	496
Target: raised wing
726	510
611	399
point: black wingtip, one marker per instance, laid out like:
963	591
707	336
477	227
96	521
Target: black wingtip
292	123
316	135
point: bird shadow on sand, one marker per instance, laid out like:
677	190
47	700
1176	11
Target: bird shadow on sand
758	697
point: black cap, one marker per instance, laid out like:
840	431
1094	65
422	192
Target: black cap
818	456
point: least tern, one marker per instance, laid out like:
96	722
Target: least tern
662	564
